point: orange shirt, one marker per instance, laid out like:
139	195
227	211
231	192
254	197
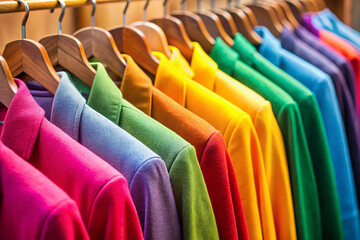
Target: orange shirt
349	52
235	125
205	71
212	154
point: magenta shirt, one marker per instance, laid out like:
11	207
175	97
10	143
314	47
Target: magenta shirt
26	212
99	190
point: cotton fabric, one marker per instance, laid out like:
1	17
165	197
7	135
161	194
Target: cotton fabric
320	84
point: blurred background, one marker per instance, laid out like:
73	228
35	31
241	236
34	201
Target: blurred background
42	22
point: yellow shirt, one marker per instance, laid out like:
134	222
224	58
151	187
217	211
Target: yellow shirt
205	71
236	127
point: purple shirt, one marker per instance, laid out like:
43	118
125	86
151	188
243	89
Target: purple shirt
341	62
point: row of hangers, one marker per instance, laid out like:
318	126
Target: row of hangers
71	52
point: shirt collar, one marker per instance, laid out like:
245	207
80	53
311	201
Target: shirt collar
68	106
244	48
136	86
170	80
288	39
22	122
270	47
180	62
105	97
224	56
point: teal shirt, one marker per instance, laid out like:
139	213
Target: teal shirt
287	113
314	130
191	196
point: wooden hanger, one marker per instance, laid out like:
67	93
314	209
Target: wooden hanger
153	33
266	16
243	23
8	87
280	13
288	13
296	8
175	33
213	25
99	43
30	57
133	42
67	51
226	19
195	28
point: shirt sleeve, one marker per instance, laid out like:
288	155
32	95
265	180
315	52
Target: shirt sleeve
277	171
154	200
221	183
113	214
64	222
306	199
245	152
194	206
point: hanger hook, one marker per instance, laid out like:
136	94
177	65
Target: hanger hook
165	7
183	5
213	3
124	12
26	16
237	3
62	3
228	5
145	8
93	13
199	5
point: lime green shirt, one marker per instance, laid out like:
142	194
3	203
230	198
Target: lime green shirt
287	113
191	196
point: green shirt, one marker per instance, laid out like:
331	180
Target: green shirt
287	112
191	196
314	130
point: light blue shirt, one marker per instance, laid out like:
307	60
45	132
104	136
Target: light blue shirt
145	171
321	85
327	20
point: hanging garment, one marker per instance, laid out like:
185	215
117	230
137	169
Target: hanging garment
327	20
235	125
348	51
33	207
100	191
205	71
196	215
322	87
214	160
341	62
287	113
310	112
145	171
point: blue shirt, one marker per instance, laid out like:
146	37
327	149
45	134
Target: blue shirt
145	171
320	84
327	20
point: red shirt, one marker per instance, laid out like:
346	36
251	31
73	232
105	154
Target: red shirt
32	207
349	52
100	191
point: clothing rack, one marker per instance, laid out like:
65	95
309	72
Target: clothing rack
14	6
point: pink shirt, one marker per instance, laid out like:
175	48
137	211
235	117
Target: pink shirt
26	212
100	191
